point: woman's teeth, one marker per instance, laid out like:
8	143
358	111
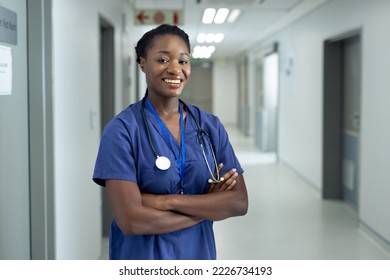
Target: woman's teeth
172	81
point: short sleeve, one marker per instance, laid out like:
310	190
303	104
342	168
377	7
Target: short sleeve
115	158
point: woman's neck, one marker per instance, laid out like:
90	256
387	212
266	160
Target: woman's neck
165	107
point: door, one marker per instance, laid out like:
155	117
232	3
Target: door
243	104
199	88
270	102
342	80
14	143
259	103
351	118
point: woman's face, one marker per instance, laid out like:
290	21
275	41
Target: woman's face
166	66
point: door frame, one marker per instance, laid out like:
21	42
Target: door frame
107	99
40	87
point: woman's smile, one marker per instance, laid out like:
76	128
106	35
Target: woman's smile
173	83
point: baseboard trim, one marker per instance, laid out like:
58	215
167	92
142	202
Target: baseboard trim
375	237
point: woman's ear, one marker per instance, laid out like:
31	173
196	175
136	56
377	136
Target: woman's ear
142	64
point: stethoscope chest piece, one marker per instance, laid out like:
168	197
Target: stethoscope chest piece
163	163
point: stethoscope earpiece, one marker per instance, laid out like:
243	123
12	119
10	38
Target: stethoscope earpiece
214	181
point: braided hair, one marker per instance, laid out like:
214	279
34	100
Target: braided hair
148	38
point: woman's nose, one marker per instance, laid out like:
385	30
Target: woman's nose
174	67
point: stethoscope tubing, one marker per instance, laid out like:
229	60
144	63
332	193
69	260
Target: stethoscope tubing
200	133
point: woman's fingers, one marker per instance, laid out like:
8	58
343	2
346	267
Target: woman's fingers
228	182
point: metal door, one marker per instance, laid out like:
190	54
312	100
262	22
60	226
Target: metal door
351	118
342	82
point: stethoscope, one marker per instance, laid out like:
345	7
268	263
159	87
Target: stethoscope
163	163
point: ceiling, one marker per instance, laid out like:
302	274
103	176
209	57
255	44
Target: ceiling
258	19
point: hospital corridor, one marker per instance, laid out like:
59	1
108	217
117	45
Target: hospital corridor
301	87
287	218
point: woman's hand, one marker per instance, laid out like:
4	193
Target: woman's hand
228	183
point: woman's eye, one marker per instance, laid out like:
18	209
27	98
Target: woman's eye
183	62
163	60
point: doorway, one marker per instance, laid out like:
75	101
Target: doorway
243	102
199	88
107	99
342	95
267	93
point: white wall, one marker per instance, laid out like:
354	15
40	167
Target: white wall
225	91
300	118
76	95
375	176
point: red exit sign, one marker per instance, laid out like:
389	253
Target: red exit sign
155	16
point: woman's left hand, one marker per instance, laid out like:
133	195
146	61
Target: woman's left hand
228	183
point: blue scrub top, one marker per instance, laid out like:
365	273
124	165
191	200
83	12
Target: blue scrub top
125	154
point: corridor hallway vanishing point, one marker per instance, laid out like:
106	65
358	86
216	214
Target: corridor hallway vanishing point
287	218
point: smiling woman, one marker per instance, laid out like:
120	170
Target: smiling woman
161	159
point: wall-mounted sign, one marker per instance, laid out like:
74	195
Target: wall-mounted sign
8	26
153	17
5	70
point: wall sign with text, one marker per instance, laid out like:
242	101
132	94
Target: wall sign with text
8	26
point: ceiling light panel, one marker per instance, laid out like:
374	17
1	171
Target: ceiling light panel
210	38
233	15
221	15
219	37
201	38
203	52
208	15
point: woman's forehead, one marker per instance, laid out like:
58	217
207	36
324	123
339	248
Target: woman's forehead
169	41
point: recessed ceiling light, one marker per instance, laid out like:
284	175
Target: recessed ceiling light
233	15
210	37
219	37
208	15
221	15
203	52
211	49
201	38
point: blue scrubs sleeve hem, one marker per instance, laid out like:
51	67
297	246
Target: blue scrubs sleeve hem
101	179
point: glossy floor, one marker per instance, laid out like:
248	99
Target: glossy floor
287	219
